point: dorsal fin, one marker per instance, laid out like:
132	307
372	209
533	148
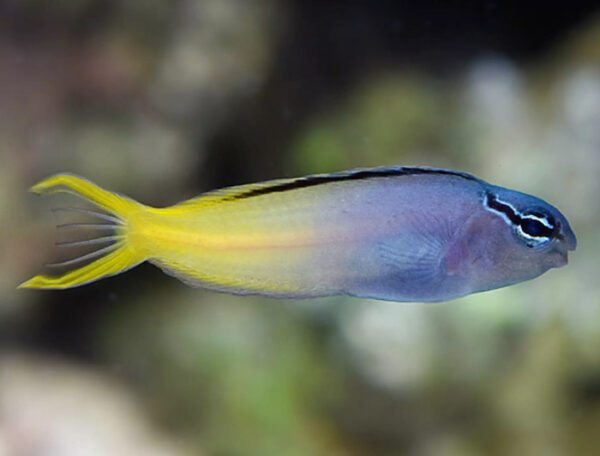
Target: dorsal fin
281	185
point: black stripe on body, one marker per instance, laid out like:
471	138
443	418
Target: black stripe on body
318	179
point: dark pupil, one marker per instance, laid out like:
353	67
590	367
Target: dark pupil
535	228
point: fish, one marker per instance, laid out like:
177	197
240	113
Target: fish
407	234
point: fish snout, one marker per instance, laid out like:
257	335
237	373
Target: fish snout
567	236
570	240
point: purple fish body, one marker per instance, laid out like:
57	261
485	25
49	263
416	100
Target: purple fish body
414	250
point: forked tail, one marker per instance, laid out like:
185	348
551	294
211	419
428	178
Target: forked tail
107	261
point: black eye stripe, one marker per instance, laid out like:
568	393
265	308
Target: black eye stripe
492	202
533	224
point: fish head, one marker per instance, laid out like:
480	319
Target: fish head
517	237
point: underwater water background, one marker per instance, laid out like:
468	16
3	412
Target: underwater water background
163	100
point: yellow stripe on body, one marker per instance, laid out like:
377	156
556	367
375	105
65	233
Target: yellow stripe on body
244	245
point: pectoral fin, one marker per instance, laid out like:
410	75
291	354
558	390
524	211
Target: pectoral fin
412	257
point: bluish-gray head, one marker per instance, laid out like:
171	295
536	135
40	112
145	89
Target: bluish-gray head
526	237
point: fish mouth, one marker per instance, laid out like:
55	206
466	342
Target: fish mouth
559	257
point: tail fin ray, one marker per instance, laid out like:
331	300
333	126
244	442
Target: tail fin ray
86	257
115	258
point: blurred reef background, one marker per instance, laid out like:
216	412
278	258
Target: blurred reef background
162	100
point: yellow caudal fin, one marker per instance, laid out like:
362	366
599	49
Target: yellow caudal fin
114	258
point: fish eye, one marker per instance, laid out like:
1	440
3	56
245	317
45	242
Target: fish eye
536	228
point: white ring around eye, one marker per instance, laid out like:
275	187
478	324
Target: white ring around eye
543	220
532	241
